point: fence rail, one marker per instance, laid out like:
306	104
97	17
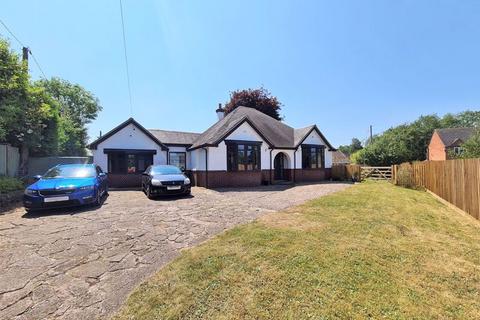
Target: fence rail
377	173
359	173
456	181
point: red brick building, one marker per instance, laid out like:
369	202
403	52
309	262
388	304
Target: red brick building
447	141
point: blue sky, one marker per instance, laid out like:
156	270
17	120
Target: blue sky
340	64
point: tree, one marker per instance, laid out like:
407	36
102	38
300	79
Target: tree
260	99
78	107
471	147
469	119
409	142
354	146
28	116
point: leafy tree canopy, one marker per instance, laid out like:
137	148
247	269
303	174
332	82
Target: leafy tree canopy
409	142
46	117
260	99
471	147
354	146
28	116
78	107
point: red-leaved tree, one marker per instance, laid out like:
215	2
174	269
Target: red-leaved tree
260	99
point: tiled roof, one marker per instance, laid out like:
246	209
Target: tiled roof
276	133
339	157
454	136
174	137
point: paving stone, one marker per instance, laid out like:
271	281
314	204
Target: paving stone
82	263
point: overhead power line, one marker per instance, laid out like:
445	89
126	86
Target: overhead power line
21	44
126	59
11	33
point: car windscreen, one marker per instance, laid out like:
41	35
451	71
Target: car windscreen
166	170
70	172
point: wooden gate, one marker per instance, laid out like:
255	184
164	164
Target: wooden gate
376	173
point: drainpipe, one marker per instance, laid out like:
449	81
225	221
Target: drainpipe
294	164
271	150
206	167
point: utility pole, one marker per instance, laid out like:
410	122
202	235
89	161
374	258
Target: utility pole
371	133
24	152
25	52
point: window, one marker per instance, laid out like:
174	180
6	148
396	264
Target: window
243	156
458	150
313	157
129	162
178	159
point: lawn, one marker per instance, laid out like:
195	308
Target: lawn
371	251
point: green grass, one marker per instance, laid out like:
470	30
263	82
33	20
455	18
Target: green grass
10	184
371	251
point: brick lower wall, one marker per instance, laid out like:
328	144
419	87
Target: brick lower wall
218	179
124	180
312	175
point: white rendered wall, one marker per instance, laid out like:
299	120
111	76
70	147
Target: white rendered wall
129	137
197	159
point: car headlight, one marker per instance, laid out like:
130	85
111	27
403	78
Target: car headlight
186	181
84	188
156	182
31	192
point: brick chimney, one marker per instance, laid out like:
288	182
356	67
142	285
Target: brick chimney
220	112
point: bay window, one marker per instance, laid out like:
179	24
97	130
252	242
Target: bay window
313	156
243	156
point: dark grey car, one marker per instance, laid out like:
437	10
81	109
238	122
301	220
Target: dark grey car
165	180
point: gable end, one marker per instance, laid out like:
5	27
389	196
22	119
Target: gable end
112	132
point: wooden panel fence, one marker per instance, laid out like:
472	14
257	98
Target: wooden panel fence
9	160
346	172
358	173
456	181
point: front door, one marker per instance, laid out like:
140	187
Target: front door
279	164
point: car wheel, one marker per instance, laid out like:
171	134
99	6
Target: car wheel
148	192
98	199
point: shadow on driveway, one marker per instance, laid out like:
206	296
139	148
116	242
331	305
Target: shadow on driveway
63	211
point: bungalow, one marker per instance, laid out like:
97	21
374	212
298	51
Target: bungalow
244	148
444	142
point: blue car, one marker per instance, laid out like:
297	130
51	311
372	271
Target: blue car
65	186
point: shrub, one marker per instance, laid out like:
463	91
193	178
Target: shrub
405	175
10	184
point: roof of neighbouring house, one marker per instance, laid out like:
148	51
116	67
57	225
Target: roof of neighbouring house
175	137
276	133
454	136
339	157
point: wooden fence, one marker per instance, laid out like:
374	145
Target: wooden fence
456	181
359	173
376	173
346	172
9	160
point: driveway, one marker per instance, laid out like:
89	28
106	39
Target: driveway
82	264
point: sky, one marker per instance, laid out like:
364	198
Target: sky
343	65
